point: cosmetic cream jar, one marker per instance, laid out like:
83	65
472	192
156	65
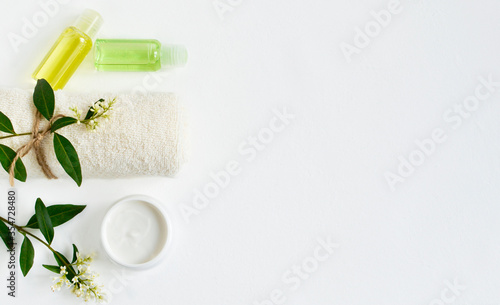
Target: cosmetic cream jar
136	232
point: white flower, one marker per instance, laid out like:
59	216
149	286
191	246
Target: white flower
99	112
63	270
83	284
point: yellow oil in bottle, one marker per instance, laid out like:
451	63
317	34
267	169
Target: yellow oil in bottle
69	51
63	59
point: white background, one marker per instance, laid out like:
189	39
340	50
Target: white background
322	176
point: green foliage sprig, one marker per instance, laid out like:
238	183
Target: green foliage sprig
44	101
75	274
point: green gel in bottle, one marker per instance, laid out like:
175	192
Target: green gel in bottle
137	55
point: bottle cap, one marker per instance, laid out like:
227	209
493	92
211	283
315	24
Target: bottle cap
173	56
89	22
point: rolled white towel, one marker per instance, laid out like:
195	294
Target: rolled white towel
144	136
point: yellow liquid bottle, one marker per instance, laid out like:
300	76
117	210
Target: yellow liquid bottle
69	51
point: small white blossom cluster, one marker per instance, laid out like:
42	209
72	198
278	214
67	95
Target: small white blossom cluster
83	285
99	111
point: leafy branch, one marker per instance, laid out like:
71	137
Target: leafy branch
44	101
74	274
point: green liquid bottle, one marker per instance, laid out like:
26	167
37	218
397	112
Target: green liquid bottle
70	49
137	55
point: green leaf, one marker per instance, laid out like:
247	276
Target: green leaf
63	261
27	256
44	222
6	124
75	251
5	235
68	158
59	214
55	269
44	99
90	113
62	122
7	155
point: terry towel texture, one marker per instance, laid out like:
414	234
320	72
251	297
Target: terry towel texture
145	134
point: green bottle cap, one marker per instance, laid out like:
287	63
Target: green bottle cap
173	56
89	22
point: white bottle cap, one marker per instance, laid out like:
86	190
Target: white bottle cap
173	56
89	22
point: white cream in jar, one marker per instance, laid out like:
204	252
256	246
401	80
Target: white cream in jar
135	231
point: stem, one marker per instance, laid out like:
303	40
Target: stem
22	230
16	135
85	121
